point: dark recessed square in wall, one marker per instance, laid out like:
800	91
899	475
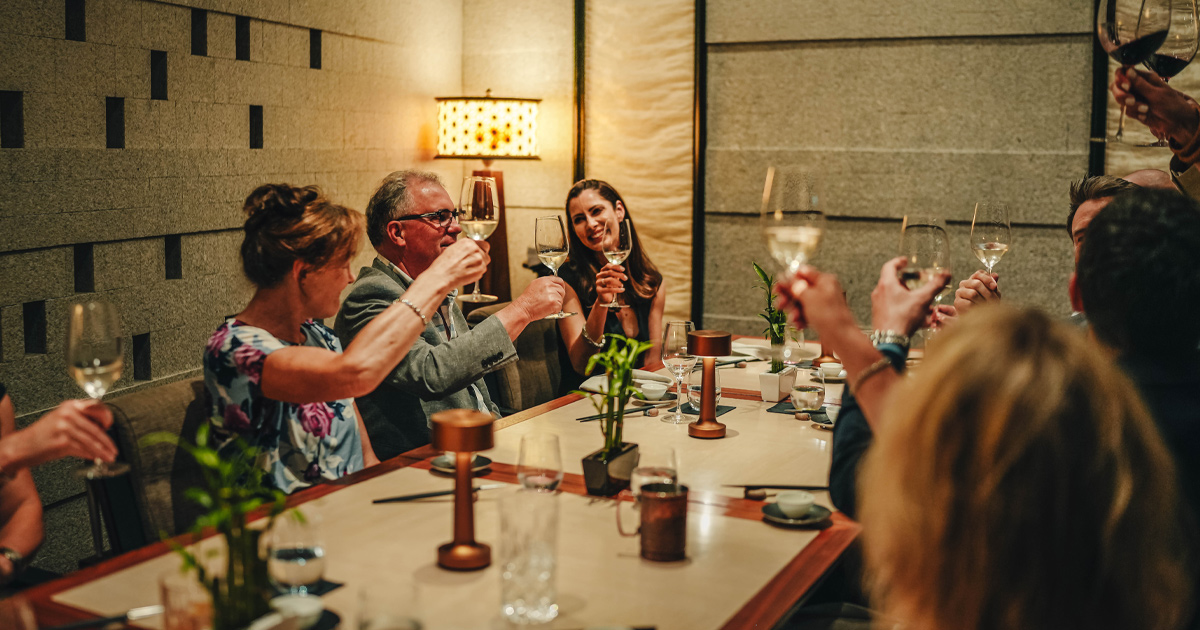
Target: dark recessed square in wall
85	268
141	357
174	257
114	122
76	21
35	327
199	32
158	75
12	120
256	127
241	37
314	48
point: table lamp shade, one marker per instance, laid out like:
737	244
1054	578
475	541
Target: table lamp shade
710	343
487	128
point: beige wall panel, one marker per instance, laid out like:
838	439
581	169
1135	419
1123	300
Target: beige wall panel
115	22
285	45
640	86
36	275
387	20
25	63
39	18
166	27
788	20
131	263
221	40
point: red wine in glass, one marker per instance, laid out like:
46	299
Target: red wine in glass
1130	31
1139	50
1166	66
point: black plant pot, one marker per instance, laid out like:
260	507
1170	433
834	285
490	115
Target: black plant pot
606	476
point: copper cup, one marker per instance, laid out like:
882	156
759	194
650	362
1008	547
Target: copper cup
664	522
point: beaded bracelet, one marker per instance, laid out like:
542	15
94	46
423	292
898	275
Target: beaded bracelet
416	310
871	370
595	344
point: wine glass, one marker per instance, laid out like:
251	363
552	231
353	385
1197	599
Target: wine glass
991	233
616	250
696	384
296	553
923	241
790	220
478	216
656	464
95	358
1179	48
675	356
539	465
551	238
1130	31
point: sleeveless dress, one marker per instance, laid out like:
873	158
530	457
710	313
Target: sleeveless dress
612	325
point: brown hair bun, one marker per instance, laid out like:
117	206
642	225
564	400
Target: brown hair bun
288	223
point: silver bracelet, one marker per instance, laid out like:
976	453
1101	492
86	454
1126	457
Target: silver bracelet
595	344
416	310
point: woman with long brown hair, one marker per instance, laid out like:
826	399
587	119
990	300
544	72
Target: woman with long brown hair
594	212
1018	482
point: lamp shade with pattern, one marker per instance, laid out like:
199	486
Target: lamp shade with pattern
487	128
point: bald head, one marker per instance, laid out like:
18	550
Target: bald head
1151	178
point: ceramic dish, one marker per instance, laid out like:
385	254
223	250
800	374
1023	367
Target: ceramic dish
443	464
816	515
599	382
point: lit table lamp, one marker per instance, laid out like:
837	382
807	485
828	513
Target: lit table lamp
708	345
463	432
490	128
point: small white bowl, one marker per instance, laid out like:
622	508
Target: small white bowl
832	411
653	390
306	609
831	370
794	503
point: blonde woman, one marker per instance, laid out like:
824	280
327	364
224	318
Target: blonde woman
1018	482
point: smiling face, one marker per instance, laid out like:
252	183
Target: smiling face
423	239
593	218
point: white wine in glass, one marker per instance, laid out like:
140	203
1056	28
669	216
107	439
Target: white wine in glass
478	217
616	250
924	242
991	233
550	237
95	358
677	359
791	222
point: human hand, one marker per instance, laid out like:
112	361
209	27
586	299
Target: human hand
542	297
462	263
609	282
940	315
815	300
896	308
1168	112
981	288
74	428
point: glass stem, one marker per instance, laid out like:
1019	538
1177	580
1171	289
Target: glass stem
679	399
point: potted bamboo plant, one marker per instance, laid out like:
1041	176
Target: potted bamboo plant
776	383
607	471
234	488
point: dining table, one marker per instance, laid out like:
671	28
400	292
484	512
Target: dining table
740	571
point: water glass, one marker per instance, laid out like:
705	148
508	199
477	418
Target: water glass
655	465
808	394
186	604
539	466
296	556
528	557
695	380
381	608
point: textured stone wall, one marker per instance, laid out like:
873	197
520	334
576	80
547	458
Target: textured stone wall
912	106
153	223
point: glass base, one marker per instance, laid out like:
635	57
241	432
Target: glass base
676	418
478	297
614	306
1157	143
102	470
1126	140
558	315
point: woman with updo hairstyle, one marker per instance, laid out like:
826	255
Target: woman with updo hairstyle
1017	481
278	377
594	212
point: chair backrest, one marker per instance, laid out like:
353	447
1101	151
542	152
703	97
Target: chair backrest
161	473
535	377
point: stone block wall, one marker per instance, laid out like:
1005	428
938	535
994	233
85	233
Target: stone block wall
917	106
127	186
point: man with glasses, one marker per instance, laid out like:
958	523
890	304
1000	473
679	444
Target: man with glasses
410	221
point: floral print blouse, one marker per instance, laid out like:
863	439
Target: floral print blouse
300	444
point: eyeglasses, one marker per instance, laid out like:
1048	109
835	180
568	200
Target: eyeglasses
443	217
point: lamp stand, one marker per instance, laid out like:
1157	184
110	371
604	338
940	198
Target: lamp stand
708	345
463	432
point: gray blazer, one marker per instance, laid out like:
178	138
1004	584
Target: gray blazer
435	374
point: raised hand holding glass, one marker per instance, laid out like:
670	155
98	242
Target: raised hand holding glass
479	215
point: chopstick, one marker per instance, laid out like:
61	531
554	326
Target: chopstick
133	614
427	495
630	411
775	487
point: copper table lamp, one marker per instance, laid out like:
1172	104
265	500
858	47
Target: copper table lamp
708	345
463	432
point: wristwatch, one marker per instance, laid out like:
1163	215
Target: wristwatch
889	336
17	560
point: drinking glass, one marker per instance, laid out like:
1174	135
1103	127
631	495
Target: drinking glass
479	217
655	465
695	381
808	394
1179	48
95	358
539	466
187	605
296	553
1130	31
675	356
383	608
551	238
924	242
790	220
616	250
991	233
528	557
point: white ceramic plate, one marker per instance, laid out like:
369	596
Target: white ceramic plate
599	383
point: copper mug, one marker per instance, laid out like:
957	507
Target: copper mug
664	522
